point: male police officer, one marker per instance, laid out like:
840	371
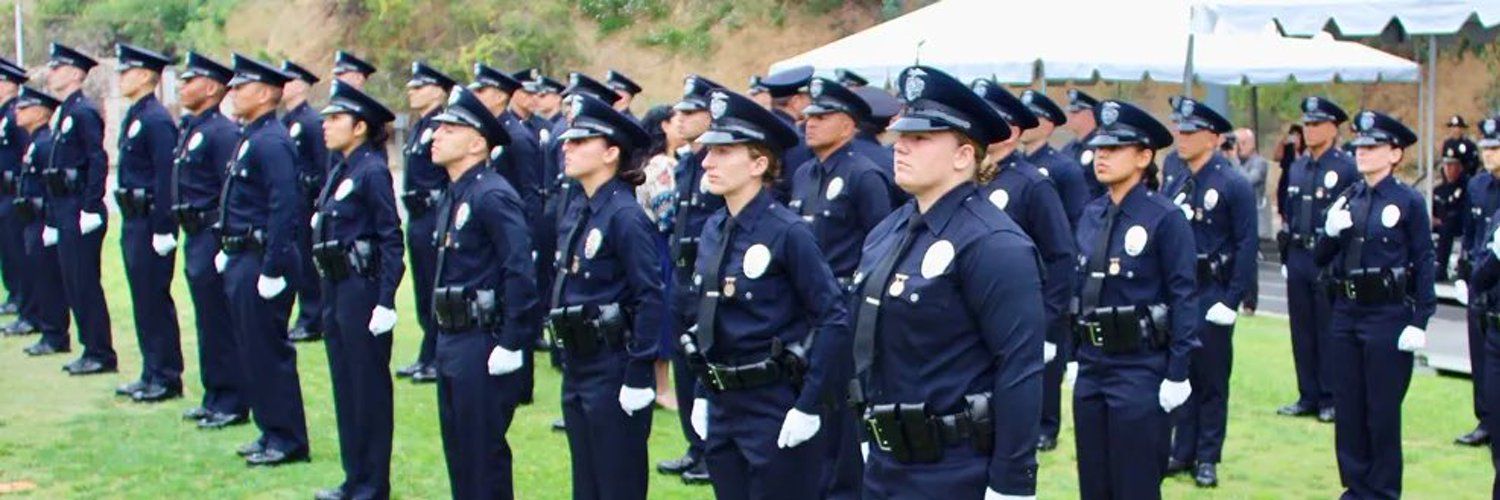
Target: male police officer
75	183
13	144
1062	168
259	209
149	242
352	70
306	128
204	147
1082	124
624	87
1467	153
424	185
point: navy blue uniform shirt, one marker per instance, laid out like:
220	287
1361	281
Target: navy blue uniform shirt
1312	183
305	127
1482	201
204	148
1219	203
488	247
842	198
358	203
261	193
1067	177
1391	217
13	144
78	143
421	173
146	141
1032	202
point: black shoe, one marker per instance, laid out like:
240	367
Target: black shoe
696	475
196	413
1296	410
43	349
302	334
130	388
677	465
408	370
250	448
427	375
1476	437
156	393
18	328
1175	467
1327	415
559	425
1046	443
1207	476
329	494
86	366
271	457
222	420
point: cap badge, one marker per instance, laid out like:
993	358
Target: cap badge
1366	120
718	106
816	88
1109	114
687	87
1310	105
914	85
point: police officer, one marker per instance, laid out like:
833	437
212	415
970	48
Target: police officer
1465	150
1449	208
352	70
259	209
789	90
424	184
849	78
1378	245
1066	174
548	102
1220	205
1485	276
842	195
356	235
13	143
205	146
523	101
607	304
484	300
625	88
1482	201
1313	181
305	127
1082	124
1137	316
694	204
74	176
943	339
44	302
772	325
1017	187
760	94
148	241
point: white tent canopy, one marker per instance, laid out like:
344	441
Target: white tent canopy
989	38
1353	17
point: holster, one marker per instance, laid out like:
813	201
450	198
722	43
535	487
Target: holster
458	309
910	435
1125	329
585	330
60	181
337	261
29	209
1372	286
419	203
134	203
248	241
192	219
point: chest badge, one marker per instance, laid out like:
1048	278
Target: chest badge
1043	171
1000	198
898	284
1087	157
195	141
1210	199
729	286
835	187
426	136
296	130
1390	215
67	124
495	153
1135	240
1114	266
244	148
461	216
939	255
756	260
135	129
1330	179
344	189
591	242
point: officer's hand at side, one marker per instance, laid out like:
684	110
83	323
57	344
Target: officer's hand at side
634	399
699	418
1411	339
864	451
1221	315
89	221
1049	352
503	361
1338	221
270	287
1283	271
382	320
1461	289
221	262
1173	394
990	494
49	236
1495	243
163	244
798	428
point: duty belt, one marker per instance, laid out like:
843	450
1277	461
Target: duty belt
134	202
780	365
60	181
910	435
1213	268
193	219
247	241
1124	329
419	202
585	330
29	209
336	261
1372	286
458	309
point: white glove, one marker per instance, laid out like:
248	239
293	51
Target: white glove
1461	289
699	418
1221	315
1283	271
1338	220
1049	352
383	319
49	236
270	287
503	361
1411	339
864	451
163	244
798	428
221	262
1070	375
88	222
1495	243
633	399
990	494
1173	394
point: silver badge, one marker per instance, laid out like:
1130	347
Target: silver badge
414	67
426	136
1087	157
1366	120
135	129
1000	198
914	85
835	187
937	258
1390	215
1043	171
1027	97
1310	105
496	152
461	216
1330	179
1187	107
1135	240
67	124
244	148
575	109
816	88
453	99
1489	126
592	242
687	87
344	189
718	106
1109	113
296	129
573	79
1211	199
756	260
981	86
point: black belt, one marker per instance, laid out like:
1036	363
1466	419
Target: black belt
1213	268
910	435
418	203
1372	286
193	219
336	261
134	202
781	365
1123	329
248	241
585	330
60	181
458	309
29	209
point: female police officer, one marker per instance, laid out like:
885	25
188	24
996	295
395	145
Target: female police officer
947	345
1136	314
1378	245
1485	276
356	249
772	322
607	305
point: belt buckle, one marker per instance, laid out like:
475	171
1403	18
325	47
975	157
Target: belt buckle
875	435
1094	332
716	379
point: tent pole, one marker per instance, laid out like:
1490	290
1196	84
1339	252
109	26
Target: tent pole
1255	114
1431	110
1187	69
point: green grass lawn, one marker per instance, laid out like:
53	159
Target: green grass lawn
73	438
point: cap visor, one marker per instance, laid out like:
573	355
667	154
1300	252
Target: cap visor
578	133
1106	140
450	118
333	109
1364	140
906	124
815	110
1315	118
714	137
239	80
688	106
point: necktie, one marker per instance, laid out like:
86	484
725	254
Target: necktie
568	255
1359	206
680	219
708	309
1305	213
445	215
182	125
333	178
1093	288
229	181
871	294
